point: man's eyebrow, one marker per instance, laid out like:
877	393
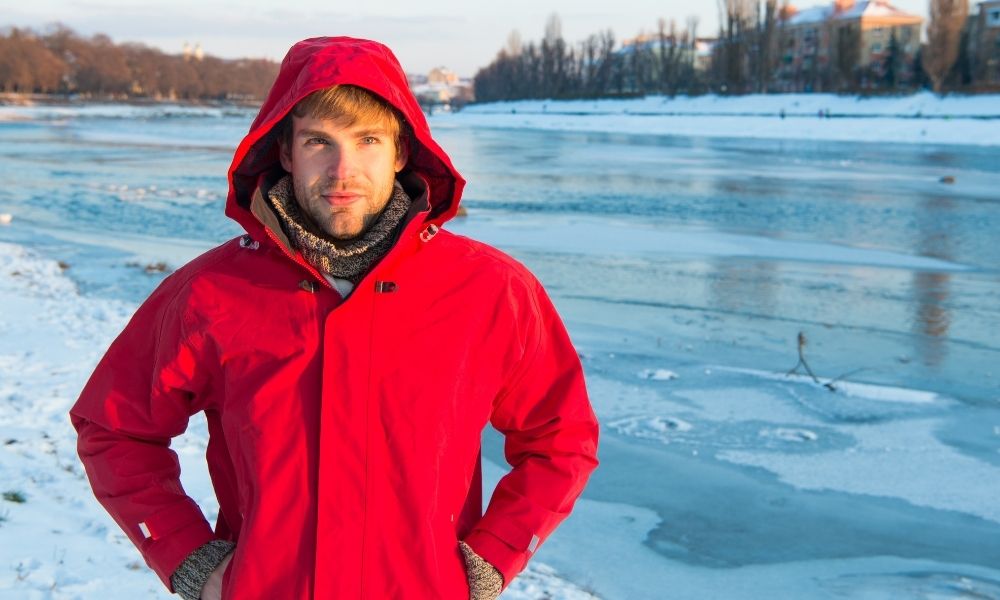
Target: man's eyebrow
311	133
380	131
373	131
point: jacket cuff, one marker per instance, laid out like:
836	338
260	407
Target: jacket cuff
169	536
485	582
504	558
190	578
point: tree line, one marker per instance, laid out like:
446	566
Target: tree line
60	61
552	68
747	56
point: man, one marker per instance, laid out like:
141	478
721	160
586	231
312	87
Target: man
347	354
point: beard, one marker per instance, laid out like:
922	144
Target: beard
342	222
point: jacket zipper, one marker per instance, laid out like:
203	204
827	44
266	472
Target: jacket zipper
308	267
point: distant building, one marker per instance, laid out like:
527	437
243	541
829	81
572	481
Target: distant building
984	43
698	54
704	49
441	75
441	89
193	53
815	42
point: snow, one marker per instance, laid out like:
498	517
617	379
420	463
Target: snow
880	393
116	111
917	119
864	451
816	14
657	374
896	460
875	8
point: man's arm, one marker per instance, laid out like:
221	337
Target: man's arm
140	396
550	441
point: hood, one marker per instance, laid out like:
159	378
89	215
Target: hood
317	63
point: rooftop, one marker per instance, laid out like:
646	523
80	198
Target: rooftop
816	14
862	9
873	8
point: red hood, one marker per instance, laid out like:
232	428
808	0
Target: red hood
318	63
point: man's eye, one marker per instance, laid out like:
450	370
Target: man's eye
369	139
314	141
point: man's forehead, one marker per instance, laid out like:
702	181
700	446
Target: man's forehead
348	123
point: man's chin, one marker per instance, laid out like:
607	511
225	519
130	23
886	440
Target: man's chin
343	235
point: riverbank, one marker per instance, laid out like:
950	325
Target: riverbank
29	100
922	118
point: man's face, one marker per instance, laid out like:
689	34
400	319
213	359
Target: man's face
343	176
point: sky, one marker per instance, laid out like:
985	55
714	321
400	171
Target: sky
462	36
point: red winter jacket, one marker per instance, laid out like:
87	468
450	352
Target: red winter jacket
344	434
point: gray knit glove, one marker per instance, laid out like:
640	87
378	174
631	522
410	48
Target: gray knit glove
189	578
485	582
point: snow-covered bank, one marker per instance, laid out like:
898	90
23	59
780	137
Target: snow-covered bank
920	118
58	542
56	112
923	105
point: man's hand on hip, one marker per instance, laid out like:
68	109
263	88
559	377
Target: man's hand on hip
213	587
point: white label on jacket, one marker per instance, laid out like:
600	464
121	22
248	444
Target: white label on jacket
144	529
534	543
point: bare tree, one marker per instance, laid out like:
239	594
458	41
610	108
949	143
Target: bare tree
847	49
59	60
736	43
944	32
514	43
27	66
767	56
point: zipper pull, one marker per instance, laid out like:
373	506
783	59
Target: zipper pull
248	242
385	287
428	234
308	286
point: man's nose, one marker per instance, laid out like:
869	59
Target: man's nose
342	165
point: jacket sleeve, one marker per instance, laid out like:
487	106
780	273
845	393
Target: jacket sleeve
550	435
140	396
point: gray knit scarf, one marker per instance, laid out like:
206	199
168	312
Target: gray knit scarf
344	260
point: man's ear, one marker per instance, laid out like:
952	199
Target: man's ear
402	153
285	152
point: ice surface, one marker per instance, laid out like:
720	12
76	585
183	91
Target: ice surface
576	235
684	267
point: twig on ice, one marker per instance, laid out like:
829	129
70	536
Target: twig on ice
802	360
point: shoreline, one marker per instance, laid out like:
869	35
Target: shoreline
15	99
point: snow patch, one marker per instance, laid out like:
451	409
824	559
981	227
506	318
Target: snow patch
657	374
899	459
650	427
867	391
789	435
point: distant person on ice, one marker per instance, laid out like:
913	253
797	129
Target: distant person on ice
347	353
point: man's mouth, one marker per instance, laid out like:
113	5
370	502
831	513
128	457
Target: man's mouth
342	198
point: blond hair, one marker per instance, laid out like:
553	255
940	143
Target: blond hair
348	105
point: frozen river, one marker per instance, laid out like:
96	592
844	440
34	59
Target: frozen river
685	268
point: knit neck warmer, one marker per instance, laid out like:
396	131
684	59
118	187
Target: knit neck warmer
345	260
